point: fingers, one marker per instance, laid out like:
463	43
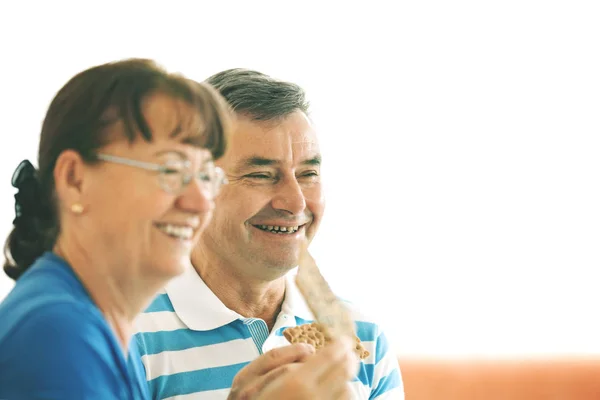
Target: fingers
341	392
293	372
274	359
336	362
324	375
258	385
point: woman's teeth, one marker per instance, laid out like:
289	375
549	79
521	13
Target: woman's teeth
177	231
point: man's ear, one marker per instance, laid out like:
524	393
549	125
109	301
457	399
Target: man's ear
69	176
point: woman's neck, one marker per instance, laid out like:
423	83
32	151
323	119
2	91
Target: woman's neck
115	290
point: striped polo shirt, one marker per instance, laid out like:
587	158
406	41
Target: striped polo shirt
192	346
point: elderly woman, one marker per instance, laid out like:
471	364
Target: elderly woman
125	185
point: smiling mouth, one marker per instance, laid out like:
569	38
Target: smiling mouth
177	231
280	230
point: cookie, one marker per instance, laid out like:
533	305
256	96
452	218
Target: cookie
318	336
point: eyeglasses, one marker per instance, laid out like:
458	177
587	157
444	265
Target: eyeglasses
175	175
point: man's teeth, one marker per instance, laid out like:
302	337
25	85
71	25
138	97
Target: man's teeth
279	229
180	232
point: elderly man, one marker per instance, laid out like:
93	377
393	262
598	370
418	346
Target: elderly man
240	295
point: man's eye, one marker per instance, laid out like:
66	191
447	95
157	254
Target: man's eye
309	175
259	176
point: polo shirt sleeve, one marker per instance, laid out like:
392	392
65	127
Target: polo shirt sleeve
62	351
387	380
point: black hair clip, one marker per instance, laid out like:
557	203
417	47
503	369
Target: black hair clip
25	179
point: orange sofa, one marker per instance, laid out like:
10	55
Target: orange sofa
574	379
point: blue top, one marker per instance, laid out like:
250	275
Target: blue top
56	344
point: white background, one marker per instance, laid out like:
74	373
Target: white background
461	143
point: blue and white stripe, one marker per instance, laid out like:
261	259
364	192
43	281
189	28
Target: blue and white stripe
183	363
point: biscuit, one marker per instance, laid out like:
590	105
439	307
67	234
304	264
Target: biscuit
318	336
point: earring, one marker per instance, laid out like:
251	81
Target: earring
76	208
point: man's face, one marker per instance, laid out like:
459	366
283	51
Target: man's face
273	202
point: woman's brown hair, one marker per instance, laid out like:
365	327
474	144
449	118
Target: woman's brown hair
77	119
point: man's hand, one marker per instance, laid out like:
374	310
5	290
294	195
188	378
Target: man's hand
294	372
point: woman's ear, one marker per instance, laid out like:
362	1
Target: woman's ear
69	179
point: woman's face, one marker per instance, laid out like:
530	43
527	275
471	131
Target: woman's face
144	229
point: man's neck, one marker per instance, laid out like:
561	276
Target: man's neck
247	296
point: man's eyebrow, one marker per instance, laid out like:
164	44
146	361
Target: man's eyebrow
255	161
258	161
316	160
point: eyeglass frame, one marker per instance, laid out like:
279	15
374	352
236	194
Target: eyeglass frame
220	178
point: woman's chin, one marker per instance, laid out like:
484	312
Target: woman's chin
171	267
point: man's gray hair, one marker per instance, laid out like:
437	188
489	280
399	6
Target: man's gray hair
257	95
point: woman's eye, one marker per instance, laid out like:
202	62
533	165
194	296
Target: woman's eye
171	170
174	167
204	176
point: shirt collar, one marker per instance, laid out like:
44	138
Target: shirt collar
201	310
196	305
